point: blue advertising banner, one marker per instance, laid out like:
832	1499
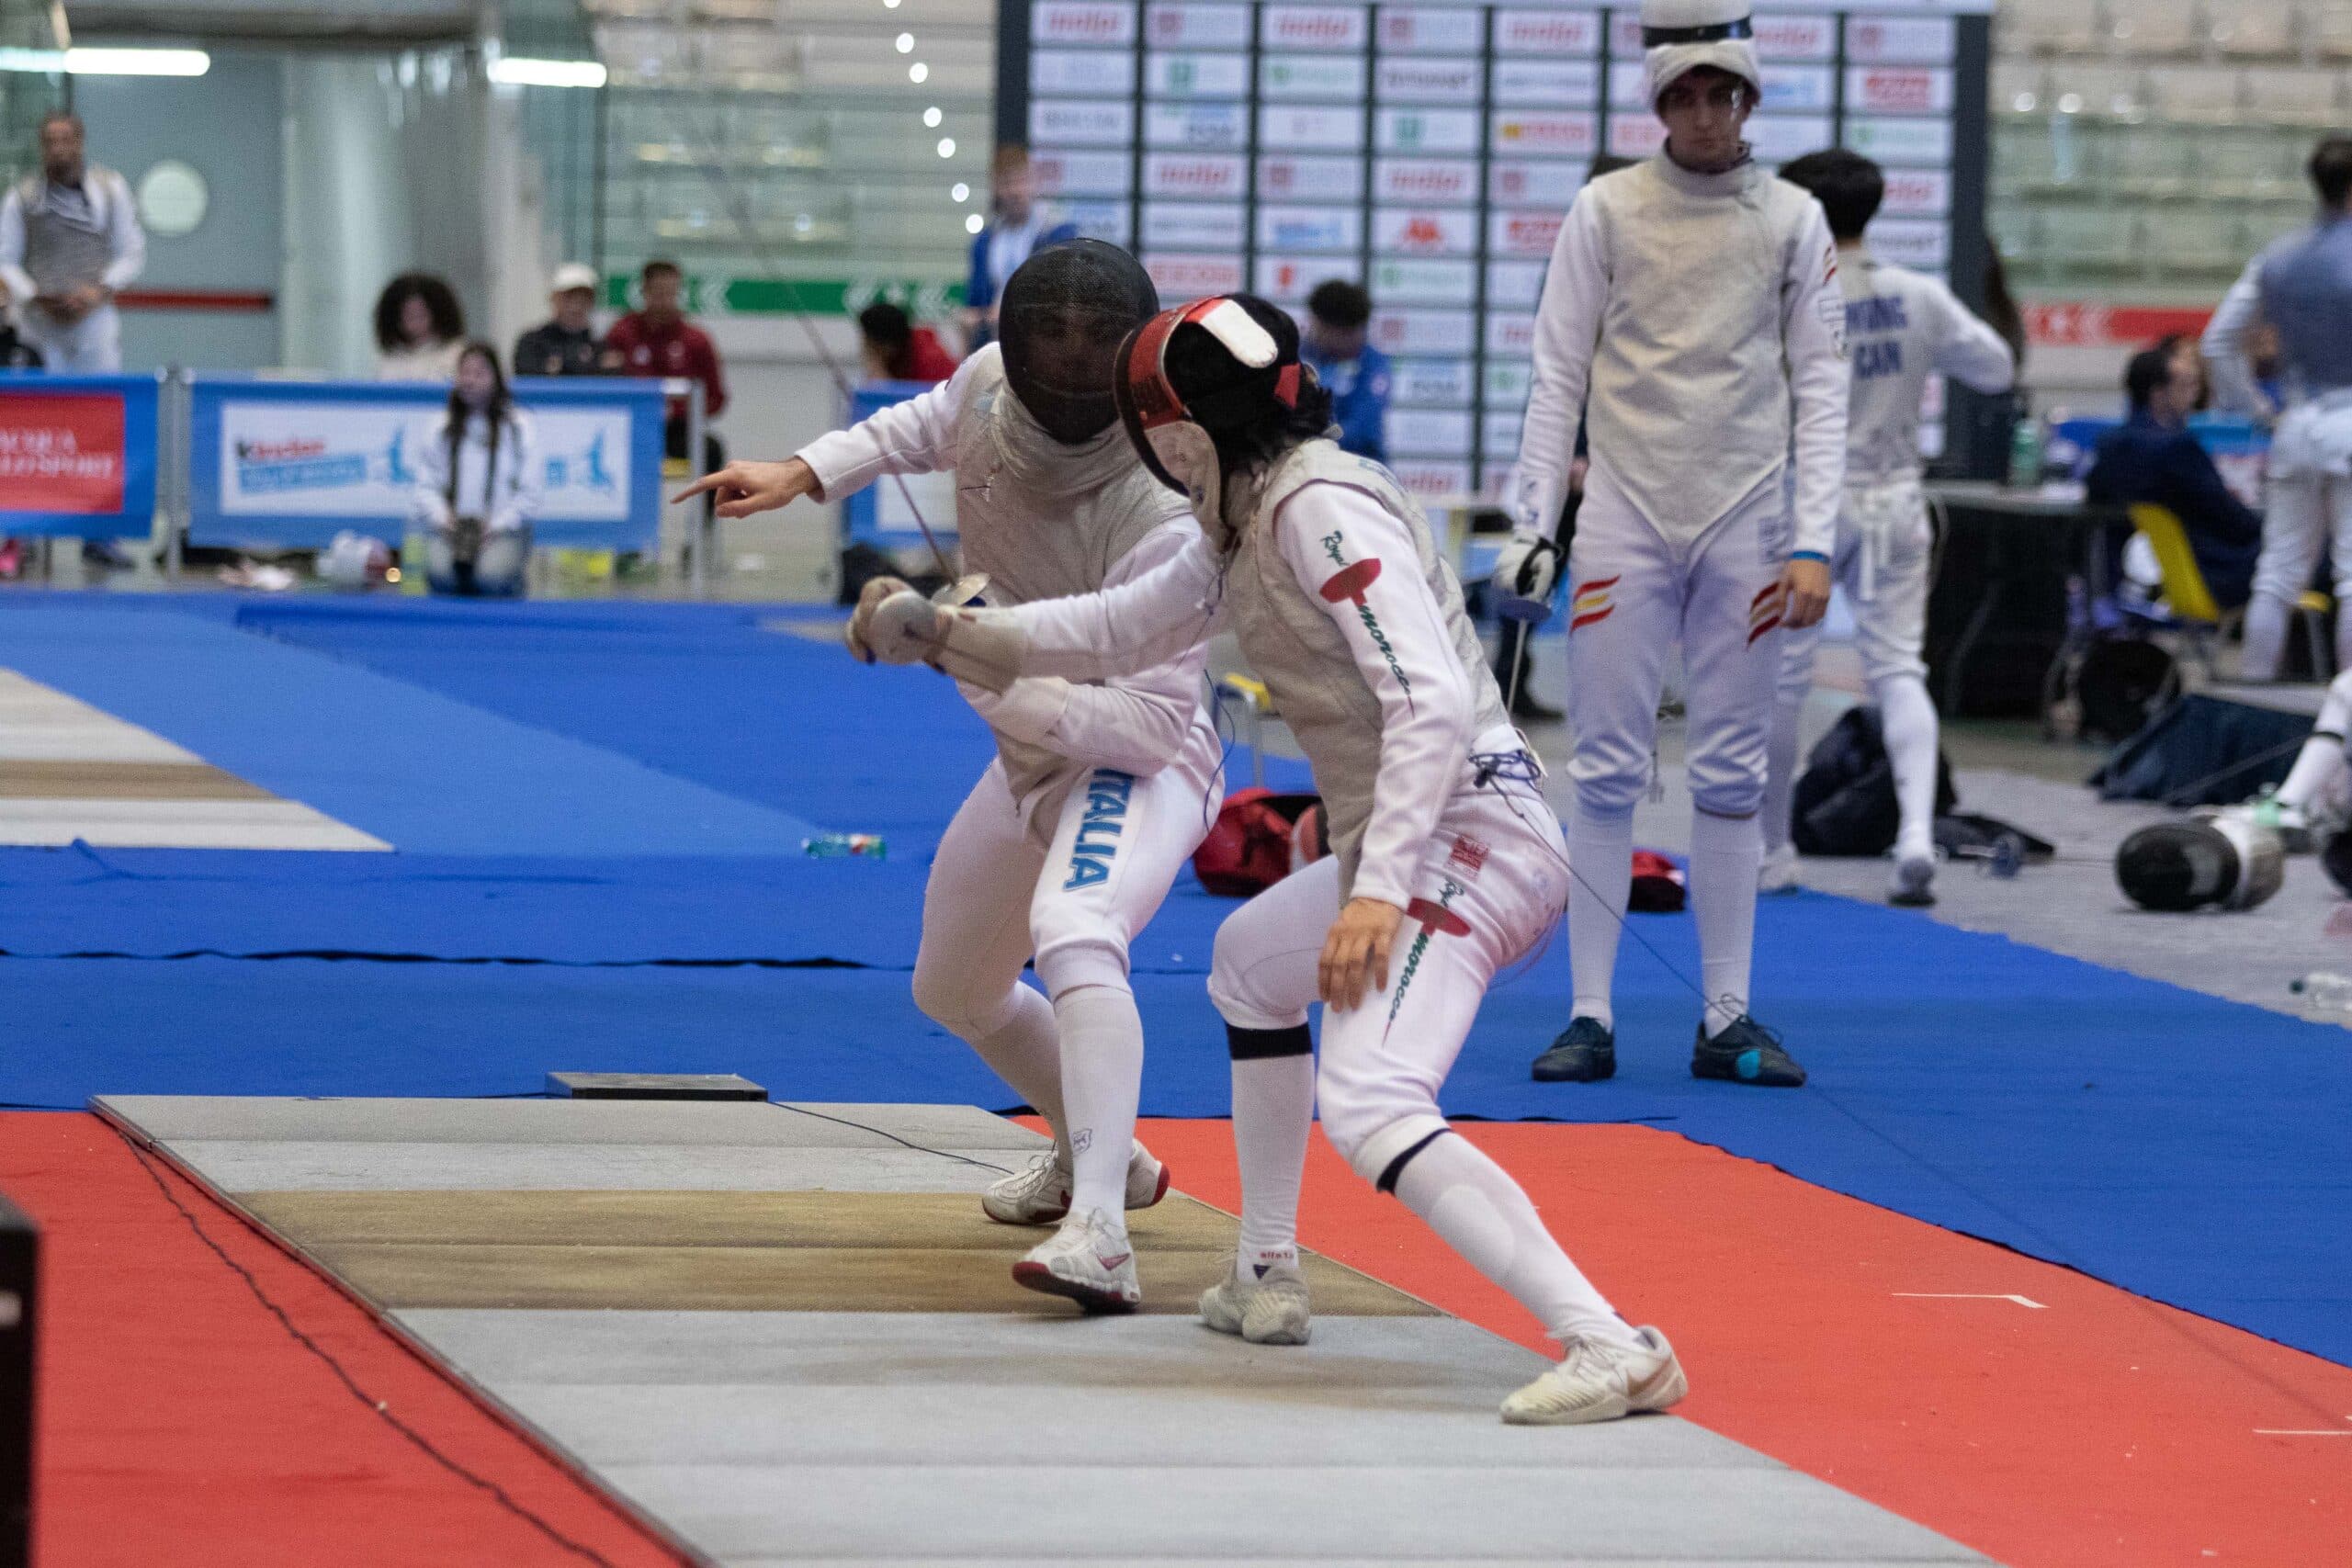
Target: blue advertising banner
77	454
290	464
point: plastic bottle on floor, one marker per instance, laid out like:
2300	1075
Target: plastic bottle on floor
2327	997
830	846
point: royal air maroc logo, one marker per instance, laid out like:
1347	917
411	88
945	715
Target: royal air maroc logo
1592	603
1097	844
1435	916
1767	610
1348	585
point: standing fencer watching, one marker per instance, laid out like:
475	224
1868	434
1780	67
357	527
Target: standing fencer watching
69	241
2302	287
1099	793
1446	862
1692	317
1900	329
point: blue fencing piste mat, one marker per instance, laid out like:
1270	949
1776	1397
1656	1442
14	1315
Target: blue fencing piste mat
599	808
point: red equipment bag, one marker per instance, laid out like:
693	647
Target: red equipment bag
1259	837
1658	885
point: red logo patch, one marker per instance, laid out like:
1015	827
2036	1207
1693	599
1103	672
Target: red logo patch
1435	917
1349	581
1469	855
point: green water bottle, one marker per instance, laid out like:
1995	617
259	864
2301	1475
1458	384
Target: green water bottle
2025	452
836	846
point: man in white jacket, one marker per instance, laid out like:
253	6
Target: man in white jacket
1900	329
69	240
1692	321
1100	791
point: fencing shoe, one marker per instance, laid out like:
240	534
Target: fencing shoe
2297	832
1600	1382
1586	1052
1778	871
1269	1310
1089	1260
1747	1052
1038	1194
1914	883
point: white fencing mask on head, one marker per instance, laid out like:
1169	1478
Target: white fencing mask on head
1679	35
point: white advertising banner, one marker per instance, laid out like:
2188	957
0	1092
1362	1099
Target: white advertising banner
1425	130
1178	225
1180	26
1902	41
1186	176
1081	22
1429	432
1311	129
1431	29
1331	78
1409	280
1167	76
1181	278
1080	72
1925	141
1524	133
1549	84
1065	172
1344	28
1431	383
1531	184
1403	79
1548	31
1082	122
1898	89
1440	181
1318	229
1215	126
1283	177
1425	231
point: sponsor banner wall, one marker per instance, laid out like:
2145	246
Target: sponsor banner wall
290	464
78	455
1431	148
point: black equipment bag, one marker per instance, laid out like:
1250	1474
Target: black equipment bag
1845	801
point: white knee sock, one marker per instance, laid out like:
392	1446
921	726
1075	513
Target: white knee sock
1274	1107
1025	1052
2322	757
1601	850
1102	1079
1908	719
1781	783
1724	853
2265	638
1487	1217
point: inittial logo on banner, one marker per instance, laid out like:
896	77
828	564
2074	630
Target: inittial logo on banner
61	452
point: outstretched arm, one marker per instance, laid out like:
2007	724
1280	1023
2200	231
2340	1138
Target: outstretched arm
1134	722
917	436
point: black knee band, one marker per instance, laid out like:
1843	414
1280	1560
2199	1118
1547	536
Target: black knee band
1388	1179
1258	1044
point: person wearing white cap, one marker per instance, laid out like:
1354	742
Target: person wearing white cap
1692	321
567	345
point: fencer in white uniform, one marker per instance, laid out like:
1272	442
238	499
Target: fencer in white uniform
1447	863
2302	287
1901	328
1691	319
1100	791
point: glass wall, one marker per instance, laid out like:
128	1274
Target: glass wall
26	95
822	142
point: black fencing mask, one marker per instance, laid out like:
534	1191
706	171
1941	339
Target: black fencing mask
2221	860
1064	311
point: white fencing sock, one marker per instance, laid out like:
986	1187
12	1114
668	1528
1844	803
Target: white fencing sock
1274	1108
1724	853
1025	1052
2265	638
1601	850
1102	1079
2322	757
1488	1218
1780	782
1908	720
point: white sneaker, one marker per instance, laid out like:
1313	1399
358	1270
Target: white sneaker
1090	1260
1914	887
1038	1194
1778	873
1271	1310
1600	1382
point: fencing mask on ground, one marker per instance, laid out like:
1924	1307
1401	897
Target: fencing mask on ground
1679	35
1063	314
2225	861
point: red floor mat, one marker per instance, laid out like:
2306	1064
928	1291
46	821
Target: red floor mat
179	1422
2094	1430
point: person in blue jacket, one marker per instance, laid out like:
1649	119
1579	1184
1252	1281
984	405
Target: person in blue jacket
2152	457
1017	225
1336	347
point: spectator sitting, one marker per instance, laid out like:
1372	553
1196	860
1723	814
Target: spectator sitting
1019	225
1336	346
420	329
69	239
657	340
566	345
15	353
2154	458
897	350
478	477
